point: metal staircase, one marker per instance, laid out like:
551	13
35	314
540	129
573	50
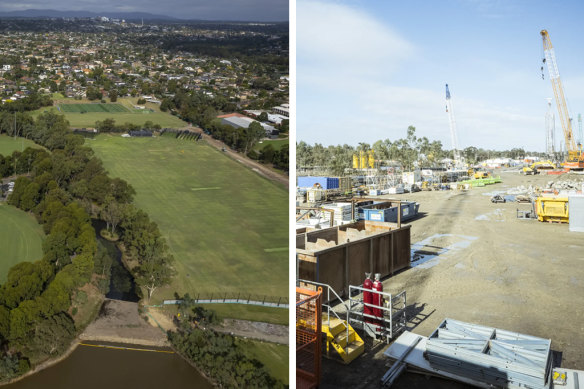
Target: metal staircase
341	318
343	338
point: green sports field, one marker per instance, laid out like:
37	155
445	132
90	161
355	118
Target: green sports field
226	226
20	238
85	113
96	107
8	144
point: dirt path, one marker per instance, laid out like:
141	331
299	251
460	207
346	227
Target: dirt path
243	328
490	269
256	330
253	165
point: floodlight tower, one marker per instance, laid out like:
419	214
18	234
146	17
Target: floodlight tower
453	135
550	129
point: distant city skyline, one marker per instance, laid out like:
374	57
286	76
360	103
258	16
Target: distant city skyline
233	10
366	70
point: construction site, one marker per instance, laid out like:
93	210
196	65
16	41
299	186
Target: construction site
451	277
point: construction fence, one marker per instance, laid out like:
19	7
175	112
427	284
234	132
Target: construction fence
234	298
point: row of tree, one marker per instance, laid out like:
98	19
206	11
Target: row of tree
29	103
408	152
109	125
65	186
35	323
269	155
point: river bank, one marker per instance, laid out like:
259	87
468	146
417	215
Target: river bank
44	365
120	322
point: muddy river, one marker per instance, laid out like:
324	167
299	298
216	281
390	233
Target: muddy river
92	367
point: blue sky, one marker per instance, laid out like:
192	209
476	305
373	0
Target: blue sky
367	69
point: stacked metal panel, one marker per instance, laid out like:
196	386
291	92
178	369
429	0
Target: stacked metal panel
342	212
494	356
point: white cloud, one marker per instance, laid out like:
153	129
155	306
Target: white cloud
339	39
350	88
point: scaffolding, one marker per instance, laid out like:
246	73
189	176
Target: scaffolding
308	337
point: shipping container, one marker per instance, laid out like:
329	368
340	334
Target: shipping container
325	183
387	211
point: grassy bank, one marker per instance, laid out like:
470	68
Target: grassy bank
273	356
8	144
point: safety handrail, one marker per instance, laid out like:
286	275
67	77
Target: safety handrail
329	308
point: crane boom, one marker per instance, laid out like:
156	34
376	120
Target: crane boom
554	74
453	135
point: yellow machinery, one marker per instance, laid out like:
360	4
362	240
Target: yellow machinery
371	159
575	157
540	165
364	160
479	175
552	209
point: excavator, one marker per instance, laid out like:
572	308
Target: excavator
539	165
574	158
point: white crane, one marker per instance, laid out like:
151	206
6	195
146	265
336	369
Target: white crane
574	157
453	134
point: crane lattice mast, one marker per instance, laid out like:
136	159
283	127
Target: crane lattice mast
453	134
554	73
550	129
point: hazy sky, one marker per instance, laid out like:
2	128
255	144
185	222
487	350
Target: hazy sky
368	69
255	10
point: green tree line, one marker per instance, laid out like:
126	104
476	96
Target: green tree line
64	187
408	152
217	354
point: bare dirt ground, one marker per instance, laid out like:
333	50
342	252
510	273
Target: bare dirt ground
489	268
119	321
255	330
268	332
253	165
161	319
